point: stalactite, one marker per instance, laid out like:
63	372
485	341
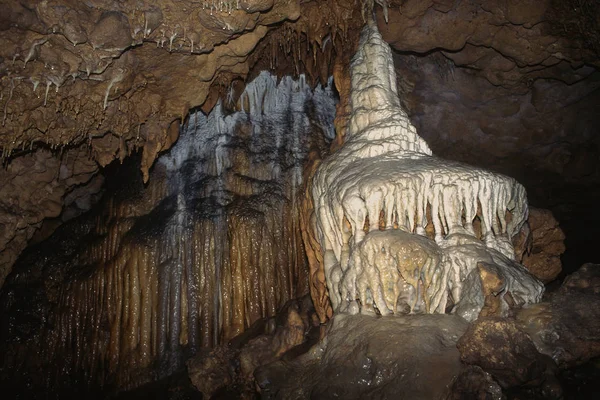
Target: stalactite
212	244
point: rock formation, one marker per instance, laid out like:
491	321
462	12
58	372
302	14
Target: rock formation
182	259
384	178
365	357
210	246
506	85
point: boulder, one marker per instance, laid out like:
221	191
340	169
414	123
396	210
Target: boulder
500	348
367	357
547	245
567	327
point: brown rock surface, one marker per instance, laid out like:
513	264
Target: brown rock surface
499	347
365	357
567	327
266	341
540	244
586	281
543	259
211	371
35	187
474	383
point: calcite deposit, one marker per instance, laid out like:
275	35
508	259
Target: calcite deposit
506	85
211	245
384	178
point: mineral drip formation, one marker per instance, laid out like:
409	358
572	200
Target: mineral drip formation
402	230
211	245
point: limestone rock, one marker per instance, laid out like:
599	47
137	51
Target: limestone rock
585	281
110	78
499	347
382	193
288	334
212	371
474	383
268	348
34	188
543	259
189	260
365	357
112	31
567	327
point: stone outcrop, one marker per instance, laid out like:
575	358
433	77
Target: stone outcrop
365	357
184	263
567	327
499	347
540	245
230	368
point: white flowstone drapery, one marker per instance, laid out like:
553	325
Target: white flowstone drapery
383	192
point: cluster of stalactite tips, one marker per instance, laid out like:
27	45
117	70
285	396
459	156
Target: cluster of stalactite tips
213	243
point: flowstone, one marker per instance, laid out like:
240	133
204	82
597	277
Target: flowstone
402	230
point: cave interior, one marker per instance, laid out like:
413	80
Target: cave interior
169	176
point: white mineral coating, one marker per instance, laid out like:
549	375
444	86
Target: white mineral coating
392	267
385	177
461	255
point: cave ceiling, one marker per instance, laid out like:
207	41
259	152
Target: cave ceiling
510	85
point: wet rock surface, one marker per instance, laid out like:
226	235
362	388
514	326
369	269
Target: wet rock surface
369	357
474	383
228	370
500	348
125	294
567	326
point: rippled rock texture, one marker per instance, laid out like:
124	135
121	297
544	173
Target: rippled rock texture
104	79
189	261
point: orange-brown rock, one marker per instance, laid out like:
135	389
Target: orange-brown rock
266	341
38	186
314	254
567	326
541	249
500	348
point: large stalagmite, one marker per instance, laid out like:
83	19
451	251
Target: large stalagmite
403	230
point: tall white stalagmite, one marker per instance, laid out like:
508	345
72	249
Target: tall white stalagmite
385	177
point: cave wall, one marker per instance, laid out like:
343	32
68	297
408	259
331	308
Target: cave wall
125	294
108	79
39	191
